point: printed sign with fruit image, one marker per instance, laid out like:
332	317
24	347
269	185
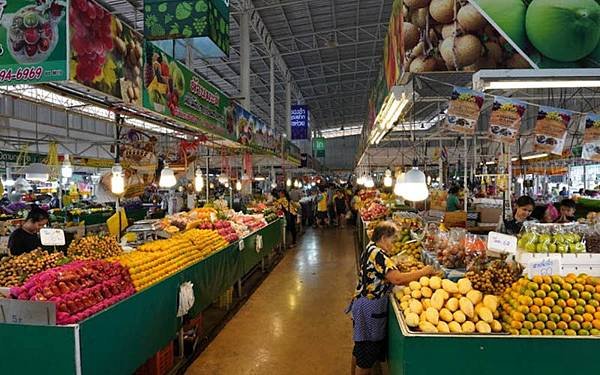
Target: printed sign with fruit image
463	110
173	90
106	55
551	129
505	120
591	138
33	41
552	33
196	21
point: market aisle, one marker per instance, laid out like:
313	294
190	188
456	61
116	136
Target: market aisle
295	322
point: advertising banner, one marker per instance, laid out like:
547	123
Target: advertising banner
33	41
204	23
105	54
299	122
463	110
591	138
551	129
552	33
505	120
319	147
253	131
173	90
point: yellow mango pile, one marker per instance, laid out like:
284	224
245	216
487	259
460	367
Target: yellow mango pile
435	305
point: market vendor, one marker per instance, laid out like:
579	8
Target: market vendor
567	210
25	238
378	274
525	207
453	202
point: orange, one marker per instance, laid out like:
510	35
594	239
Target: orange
545	310
590	309
562	325
516	325
518	316
588	317
579	287
551	325
596	323
548	301
535	309
578	318
528	325
538	301
539	325
565	317
571	302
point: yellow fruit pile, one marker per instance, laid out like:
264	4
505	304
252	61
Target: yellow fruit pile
94	247
435	305
559	306
207	241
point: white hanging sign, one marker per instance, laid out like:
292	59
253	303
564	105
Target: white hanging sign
52	237
502	243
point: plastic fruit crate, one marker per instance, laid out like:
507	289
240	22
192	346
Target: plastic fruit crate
160	363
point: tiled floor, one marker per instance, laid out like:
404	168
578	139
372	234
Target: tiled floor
294	323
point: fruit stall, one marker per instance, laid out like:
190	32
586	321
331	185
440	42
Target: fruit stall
138	313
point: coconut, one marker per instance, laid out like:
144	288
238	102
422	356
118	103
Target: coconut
419	17
423	64
462	50
442	10
411	35
414	4
517	62
470	18
509	15
564	31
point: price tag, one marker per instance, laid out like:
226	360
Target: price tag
547	266
502	243
259	243
52	237
14	311
241	245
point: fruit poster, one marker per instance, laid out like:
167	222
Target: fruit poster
171	89
33	41
251	130
463	110
591	138
552	33
551	129
505	119
205	23
106	54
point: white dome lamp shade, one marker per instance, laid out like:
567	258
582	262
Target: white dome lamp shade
361	180
117	181
167	178
238	185
399	185
415	186
369	183
288	182
223	179
37	172
66	170
388	181
198	181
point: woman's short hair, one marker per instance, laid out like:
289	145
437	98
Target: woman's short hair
383	229
37	214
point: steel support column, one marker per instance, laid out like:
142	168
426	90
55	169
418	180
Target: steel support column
288	110
245	59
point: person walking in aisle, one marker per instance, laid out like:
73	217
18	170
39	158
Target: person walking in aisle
290	210
341	207
322	217
378	274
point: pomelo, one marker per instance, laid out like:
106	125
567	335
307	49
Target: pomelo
509	15
563	30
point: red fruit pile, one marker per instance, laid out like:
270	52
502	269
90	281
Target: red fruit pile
91	38
79	289
226	231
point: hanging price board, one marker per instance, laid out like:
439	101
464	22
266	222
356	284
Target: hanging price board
52	237
502	243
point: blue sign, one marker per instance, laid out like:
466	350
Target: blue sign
300	122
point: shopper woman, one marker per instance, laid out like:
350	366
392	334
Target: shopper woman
378	273
290	210
525	206
341	207
453	202
25	238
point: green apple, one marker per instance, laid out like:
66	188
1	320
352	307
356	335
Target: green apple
552	248
559	238
562	248
530	247
542	247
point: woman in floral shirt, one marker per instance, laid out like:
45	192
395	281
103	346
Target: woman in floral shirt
378	274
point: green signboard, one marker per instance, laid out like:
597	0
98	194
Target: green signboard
171	89
319	147
204	23
13	157
106	54
33	41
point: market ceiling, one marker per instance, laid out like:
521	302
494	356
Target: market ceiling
331	48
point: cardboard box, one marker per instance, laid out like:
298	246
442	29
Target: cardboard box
489	214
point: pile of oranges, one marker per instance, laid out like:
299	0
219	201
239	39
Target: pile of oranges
553	305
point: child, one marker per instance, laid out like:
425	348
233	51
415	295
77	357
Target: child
567	211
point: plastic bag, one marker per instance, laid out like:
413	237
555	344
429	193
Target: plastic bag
186	298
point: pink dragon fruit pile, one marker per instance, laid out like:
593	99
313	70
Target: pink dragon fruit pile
79	289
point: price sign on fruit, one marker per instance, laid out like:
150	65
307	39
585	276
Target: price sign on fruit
502	243
547	266
52	237
33	41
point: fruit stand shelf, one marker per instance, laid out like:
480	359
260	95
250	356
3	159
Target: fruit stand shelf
412	353
121	338
588	263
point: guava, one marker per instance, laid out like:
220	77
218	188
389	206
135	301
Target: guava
562	30
509	15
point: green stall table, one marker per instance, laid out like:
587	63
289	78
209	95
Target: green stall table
426	354
121	338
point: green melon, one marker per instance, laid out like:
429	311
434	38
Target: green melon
563	30
509	15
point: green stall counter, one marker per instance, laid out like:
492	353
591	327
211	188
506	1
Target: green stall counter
121	338
426	354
